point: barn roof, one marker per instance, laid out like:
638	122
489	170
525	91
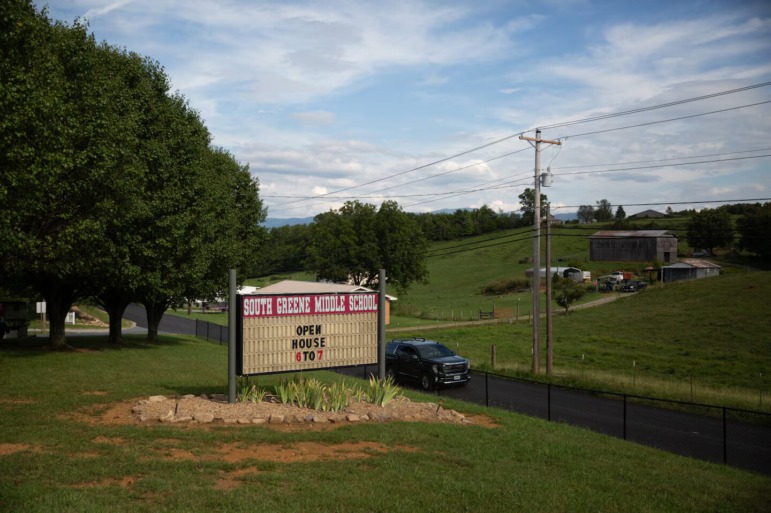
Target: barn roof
631	234
694	262
648	213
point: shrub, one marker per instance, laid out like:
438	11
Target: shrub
501	287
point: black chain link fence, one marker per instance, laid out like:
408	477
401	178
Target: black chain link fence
211	332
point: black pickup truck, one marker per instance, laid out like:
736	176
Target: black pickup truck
425	362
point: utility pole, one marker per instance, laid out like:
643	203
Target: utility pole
549	338
537	247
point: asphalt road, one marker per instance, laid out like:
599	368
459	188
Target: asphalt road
744	445
169	323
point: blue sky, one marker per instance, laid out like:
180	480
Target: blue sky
325	96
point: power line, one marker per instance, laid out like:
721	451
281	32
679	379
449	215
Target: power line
658	167
664	160
663	121
477	187
556	125
653	107
419	167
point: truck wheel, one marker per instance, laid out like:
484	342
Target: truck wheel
389	373
426	383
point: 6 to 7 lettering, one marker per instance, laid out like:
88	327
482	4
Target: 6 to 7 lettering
308	356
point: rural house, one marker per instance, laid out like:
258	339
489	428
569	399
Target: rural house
633	246
647	214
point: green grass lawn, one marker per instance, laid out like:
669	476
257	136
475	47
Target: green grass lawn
51	460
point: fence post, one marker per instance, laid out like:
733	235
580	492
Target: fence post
487	391
624	416
725	439
493	357
548	402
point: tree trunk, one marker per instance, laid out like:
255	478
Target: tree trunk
155	309
115	301
59	298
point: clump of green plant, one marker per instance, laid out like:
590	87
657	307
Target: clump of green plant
311	393
382	392
338	396
285	392
250	393
308	393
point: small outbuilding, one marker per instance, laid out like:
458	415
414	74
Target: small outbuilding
573	273
689	269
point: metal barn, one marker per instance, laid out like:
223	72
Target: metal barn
633	246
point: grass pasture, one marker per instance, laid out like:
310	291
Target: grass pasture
54	457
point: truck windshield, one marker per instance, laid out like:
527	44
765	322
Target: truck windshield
434	351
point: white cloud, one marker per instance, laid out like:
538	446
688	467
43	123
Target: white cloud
315	117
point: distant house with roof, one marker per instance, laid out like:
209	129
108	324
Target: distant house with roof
633	246
647	214
689	269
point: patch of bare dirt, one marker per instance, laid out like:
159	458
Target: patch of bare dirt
16	401
6	449
124	482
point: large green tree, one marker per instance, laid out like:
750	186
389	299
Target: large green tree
710	229
585	213
109	185
566	292
65	147
603	211
402	247
527	202
754	227
356	241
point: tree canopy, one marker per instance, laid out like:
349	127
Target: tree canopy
354	242
109	185
527	200
585	213
754	228
710	229
603	211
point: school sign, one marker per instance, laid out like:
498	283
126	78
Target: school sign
293	332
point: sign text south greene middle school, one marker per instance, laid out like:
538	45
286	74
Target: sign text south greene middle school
309	304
